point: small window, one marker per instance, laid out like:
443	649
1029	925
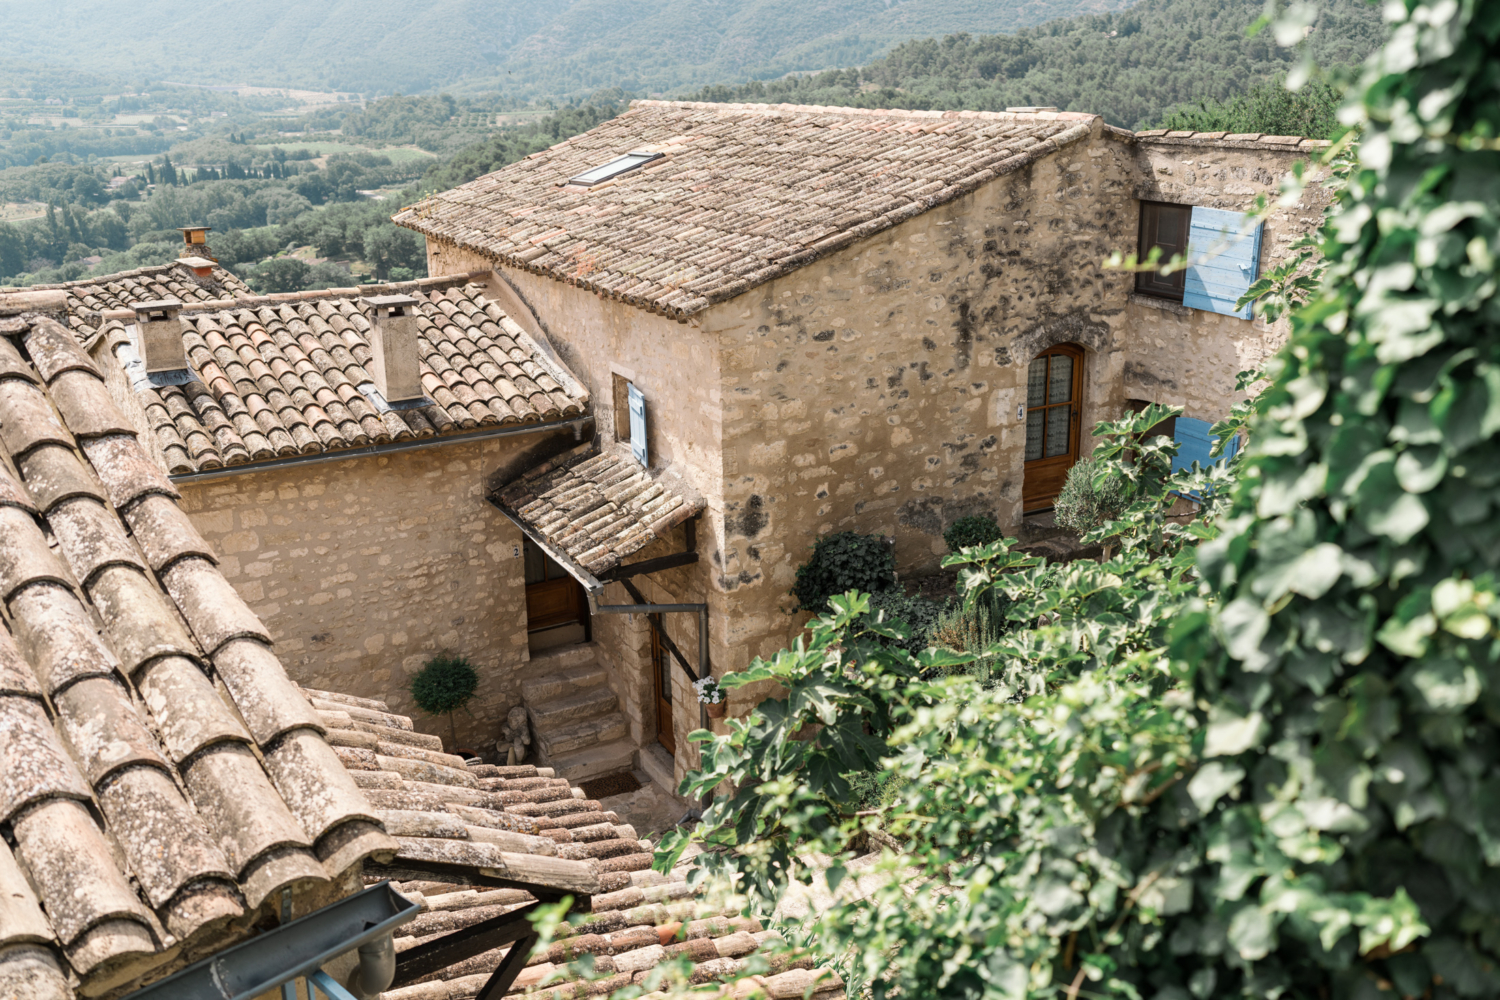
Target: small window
614	168
621	406
1164	226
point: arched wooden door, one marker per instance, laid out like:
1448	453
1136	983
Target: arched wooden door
1054	397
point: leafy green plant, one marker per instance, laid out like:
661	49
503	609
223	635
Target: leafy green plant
975	529
842	562
445	684
920	615
971	627
1254	755
1089	499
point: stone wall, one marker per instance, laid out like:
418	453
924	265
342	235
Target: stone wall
362	569
876	389
1187	357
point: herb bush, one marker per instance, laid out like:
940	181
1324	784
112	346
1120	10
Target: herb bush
975	529
1089	499
1251	756
842	562
445	684
920	615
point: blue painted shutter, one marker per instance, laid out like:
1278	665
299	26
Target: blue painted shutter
1223	260
1193	444
638	424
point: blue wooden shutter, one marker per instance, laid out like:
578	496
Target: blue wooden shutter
1223	260
1193	444
638	424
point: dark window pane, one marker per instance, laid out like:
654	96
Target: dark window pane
1034	434
536	563
1060	382
1164	226
1036	383
1057	430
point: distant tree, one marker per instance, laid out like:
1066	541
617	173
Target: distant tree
280	274
1269	108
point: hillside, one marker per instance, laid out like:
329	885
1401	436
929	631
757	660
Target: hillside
1132	66
524	48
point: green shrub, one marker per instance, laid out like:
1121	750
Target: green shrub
843	562
1084	504
443	685
976	529
918	613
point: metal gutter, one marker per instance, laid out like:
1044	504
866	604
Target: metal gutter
577	423
295	949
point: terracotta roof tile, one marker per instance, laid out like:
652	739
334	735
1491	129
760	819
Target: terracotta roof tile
280	376
145	813
743	192
596	509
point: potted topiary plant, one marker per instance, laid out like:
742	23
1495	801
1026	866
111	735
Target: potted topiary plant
445	684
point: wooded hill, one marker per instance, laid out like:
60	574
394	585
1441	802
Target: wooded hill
1132	66
524	48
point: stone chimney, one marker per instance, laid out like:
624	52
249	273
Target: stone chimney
160	336
195	242
396	367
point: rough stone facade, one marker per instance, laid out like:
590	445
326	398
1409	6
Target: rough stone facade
364	568
876	388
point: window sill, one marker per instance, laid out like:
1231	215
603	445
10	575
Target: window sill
1166	305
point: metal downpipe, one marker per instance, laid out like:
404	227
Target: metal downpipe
376	969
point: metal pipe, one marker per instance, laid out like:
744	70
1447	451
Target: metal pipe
342	455
376	968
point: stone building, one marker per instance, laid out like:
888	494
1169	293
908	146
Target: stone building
820	319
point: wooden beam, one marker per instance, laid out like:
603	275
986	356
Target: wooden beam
509	968
450	949
651	565
406	870
661	633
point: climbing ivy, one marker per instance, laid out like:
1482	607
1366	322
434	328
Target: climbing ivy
1253	756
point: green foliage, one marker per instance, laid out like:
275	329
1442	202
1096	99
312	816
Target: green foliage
444	684
920	616
280	274
1090	496
1130	65
842	562
1252	756
1270	108
972	626
975	529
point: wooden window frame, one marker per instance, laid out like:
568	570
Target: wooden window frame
620	404
1043	478
1172	286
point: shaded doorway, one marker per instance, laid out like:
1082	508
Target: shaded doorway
556	606
661	669
1054	397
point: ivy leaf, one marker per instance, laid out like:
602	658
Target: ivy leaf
1213	781
1229	734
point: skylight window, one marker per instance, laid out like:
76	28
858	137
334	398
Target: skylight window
614	168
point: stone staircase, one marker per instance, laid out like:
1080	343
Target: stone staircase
576	724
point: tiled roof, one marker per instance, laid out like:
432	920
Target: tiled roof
486	817
1234	140
88	297
160	776
279	376
596	509
743	194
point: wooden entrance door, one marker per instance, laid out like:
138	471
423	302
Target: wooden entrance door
1054	396
552	596
661	668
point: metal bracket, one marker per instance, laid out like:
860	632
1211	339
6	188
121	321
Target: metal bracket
294	950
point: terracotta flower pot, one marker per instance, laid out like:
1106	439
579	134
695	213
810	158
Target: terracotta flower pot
718	710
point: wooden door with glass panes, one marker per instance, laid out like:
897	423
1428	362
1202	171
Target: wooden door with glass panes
1054	396
553	597
661	661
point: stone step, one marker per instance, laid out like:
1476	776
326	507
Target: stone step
561	740
586	704
594	761
538	691
546	661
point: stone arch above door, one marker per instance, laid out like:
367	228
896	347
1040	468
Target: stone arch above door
1074	328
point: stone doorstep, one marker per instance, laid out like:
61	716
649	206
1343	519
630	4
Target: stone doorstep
563	682
660	765
596	761
587	733
551	660
575	707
